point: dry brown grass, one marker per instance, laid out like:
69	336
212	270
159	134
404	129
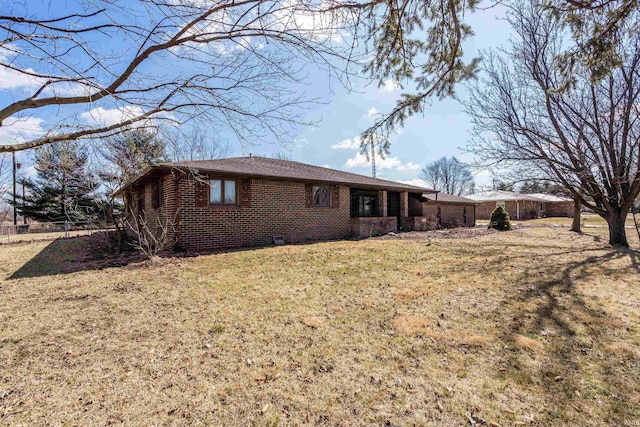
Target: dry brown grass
525	342
313	321
536	324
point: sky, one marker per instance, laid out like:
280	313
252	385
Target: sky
443	129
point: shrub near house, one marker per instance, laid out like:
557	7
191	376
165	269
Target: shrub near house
500	219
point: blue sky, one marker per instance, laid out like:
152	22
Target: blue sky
442	130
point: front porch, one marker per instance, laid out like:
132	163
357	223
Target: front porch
376	212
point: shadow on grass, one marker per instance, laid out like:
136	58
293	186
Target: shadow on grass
577	333
64	256
85	253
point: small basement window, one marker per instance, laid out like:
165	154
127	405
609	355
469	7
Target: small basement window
222	192
321	196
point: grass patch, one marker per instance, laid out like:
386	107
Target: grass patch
534	324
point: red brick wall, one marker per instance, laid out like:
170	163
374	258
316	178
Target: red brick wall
452	215
267	208
528	209
558	209
404	210
419	223
373	226
165	215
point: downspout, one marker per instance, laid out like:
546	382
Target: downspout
517	209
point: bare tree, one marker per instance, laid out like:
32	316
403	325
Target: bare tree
281	155
196	143
233	65
449	175
419	43
586	137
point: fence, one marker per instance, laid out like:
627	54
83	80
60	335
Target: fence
51	230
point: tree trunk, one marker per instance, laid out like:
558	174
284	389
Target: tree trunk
576	226
617	232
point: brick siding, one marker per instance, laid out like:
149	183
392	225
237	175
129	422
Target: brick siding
451	215
266	208
558	209
373	226
528	209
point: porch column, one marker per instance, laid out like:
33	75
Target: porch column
404	208
382	202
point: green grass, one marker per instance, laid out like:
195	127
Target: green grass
537	323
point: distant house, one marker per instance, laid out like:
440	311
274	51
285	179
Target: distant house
554	206
246	201
522	206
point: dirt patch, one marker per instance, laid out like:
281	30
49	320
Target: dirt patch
449	233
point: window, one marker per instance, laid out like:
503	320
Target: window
156	195
364	203
222	192
321	196
367	205
542	207
502	204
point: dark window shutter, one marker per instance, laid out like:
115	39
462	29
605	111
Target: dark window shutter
308	199
245	192
335	196
202	194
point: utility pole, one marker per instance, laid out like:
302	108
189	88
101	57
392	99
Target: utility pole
373	161
15	215
24	218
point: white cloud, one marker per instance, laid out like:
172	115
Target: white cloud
372	112
348	144
19	129
390	85
107	117
408	166
11	79
360	160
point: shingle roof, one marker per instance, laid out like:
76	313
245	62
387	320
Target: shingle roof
284	169
550	197
450	198
498	195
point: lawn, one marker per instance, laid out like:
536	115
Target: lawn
588	221
536	326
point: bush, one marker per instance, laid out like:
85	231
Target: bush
500	219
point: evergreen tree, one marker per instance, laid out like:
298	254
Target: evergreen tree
64	188
500	219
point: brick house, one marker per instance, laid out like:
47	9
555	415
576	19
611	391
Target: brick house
440	210
521	206
554	206
249	201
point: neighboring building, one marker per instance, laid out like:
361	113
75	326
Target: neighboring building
445	211
521	206
554	206
248	201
